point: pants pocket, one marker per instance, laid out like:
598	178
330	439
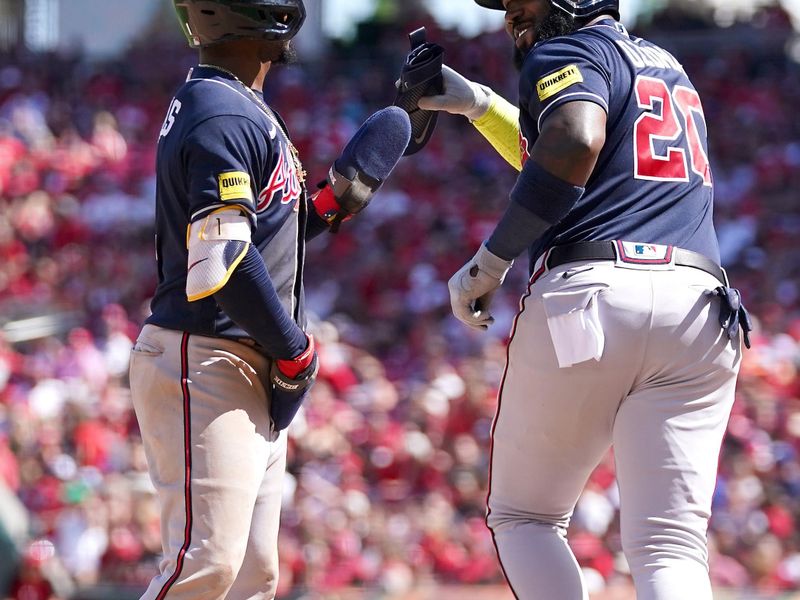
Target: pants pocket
573	318
143	348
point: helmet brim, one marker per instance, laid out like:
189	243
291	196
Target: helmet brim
493	4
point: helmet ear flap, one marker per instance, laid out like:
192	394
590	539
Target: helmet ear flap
183	20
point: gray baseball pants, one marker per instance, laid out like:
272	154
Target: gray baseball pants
602	356
218	470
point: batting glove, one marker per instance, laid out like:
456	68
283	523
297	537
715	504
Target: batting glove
461	96
291	381
474	286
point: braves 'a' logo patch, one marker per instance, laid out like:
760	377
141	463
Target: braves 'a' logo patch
551	84
283	183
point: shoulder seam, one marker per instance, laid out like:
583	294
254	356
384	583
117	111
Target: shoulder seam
243	116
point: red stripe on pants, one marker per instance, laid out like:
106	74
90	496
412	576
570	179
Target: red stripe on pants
533	280
187	482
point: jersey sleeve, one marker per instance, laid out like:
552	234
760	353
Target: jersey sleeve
222	157
564	70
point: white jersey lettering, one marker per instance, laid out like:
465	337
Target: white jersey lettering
646	56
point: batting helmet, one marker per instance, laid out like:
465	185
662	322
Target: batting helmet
579	9
207	22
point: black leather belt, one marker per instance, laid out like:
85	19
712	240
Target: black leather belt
578	251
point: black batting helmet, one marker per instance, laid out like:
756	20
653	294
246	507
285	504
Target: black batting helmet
207	22
579	9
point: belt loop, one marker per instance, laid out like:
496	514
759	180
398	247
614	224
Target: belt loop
725	276
615	244
540	267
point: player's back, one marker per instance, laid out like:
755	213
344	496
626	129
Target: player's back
652	182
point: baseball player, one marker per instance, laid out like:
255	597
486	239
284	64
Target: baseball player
628	334
223	363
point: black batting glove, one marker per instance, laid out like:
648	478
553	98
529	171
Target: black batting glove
291	380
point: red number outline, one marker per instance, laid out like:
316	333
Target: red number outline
688	102
651	126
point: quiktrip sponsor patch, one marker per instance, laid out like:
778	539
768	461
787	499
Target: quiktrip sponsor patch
551	84
235	185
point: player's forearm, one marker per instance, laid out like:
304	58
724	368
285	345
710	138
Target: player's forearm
517	229
539	200
250	300
500	126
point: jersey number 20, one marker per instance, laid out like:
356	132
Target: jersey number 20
672	166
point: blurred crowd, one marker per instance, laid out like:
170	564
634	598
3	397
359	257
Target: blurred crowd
389	460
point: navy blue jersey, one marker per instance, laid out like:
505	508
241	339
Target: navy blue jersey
218	148
652	182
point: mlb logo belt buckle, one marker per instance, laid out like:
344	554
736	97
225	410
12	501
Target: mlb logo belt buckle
643	255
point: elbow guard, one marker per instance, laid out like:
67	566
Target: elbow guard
548	197
217	244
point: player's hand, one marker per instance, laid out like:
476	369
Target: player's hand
291	381
474	286
461	96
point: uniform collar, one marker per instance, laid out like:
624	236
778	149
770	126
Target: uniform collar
607	21
200	72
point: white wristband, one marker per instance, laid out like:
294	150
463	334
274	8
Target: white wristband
483	100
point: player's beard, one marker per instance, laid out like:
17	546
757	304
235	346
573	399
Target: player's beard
288	55
283	54
556	23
